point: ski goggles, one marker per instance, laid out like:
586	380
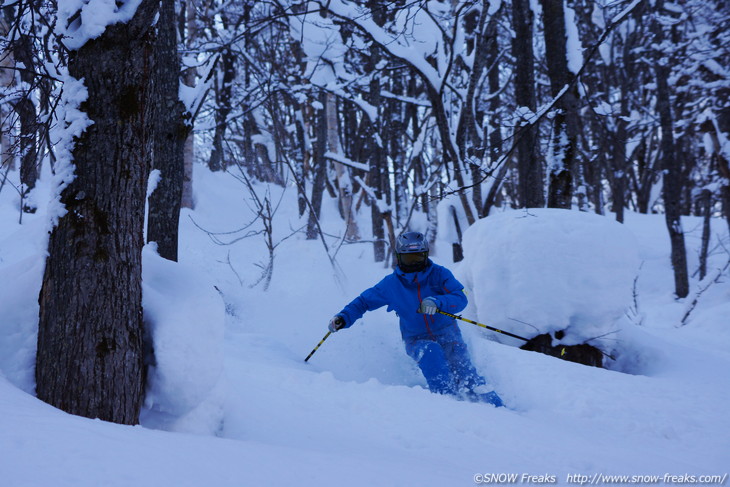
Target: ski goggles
414	258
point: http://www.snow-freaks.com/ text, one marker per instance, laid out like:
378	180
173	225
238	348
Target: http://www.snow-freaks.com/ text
599	479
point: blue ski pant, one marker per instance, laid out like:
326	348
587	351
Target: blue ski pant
444	361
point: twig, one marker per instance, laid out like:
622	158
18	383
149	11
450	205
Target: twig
635	296
702	286
5	177
230	264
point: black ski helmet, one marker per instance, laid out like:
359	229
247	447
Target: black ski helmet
411	250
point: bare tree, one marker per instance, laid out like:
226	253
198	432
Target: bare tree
21	75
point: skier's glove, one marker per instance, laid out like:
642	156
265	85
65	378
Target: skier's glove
428	307
336	323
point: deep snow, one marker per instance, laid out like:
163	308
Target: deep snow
241	407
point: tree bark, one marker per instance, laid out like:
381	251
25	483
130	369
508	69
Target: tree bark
565	123
529	164
725	189
320	169
90	350
378	175
723	165
223	95
672	187
492	129
189	79
170	133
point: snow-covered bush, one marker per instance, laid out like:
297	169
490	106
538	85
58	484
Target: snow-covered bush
542	270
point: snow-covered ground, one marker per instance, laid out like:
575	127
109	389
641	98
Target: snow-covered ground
232	403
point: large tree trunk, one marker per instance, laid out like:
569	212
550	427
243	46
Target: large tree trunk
725	189
723	127
492	131
529	165
187	200
189	77
378	175
565	123
619	166
171	132
672	187
90	353
223	95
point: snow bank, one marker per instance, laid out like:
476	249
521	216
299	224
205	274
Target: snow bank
185	319
22	261
545	270
19	287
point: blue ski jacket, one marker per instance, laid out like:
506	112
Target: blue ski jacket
403	292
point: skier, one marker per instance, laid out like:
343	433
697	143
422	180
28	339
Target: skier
416	290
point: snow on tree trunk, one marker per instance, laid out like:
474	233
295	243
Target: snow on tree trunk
90	336
563	164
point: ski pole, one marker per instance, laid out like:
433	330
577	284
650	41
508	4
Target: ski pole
318	345
484	326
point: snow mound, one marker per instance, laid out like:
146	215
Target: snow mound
544	270
22	262
19	288
185	320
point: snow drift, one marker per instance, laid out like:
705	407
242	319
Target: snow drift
185	322
544	270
